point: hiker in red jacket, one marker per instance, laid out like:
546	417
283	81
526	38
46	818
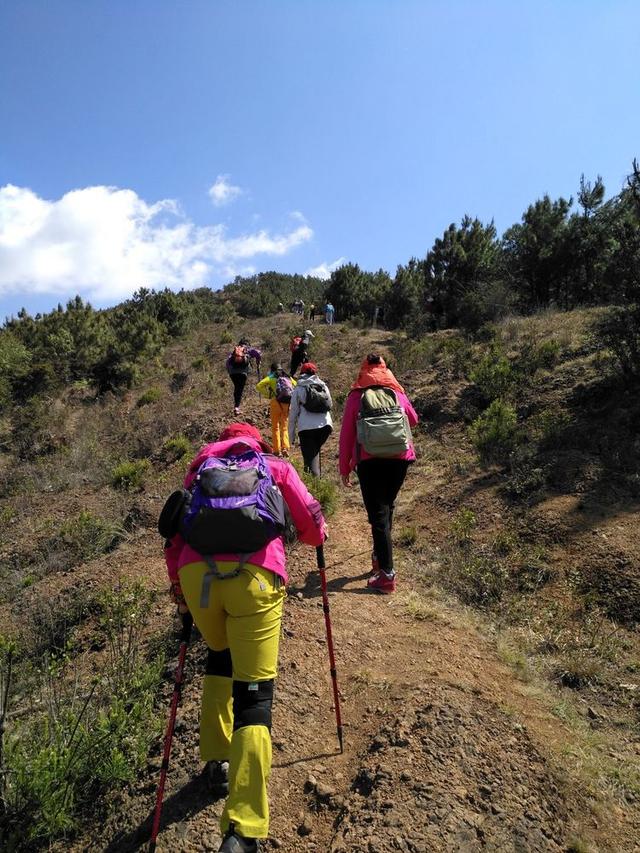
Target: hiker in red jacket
375	440
236	601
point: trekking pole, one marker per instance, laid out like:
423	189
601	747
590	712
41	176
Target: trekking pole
187	623
327	622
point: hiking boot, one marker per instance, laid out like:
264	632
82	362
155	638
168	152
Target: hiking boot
382	582
233	843
218	778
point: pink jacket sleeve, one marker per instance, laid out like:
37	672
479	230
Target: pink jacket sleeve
412	415
171	554
305	509
348	434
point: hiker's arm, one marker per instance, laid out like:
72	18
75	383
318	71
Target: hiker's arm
264	387
305	510
348	436
294	414
412	415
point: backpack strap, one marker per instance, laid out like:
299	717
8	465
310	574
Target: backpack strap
213	572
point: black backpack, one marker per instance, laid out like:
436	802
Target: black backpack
317	397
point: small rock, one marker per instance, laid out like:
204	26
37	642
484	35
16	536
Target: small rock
299	596
306	827
311	783
406	777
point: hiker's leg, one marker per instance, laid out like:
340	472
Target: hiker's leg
370	474
308	448
239	381
274	411
392	483
253	602
216	715
284	425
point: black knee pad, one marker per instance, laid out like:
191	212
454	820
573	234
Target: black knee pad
252	703
219	663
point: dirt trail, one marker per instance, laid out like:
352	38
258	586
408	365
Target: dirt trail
444	749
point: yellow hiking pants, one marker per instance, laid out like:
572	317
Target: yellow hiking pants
279	425
242	614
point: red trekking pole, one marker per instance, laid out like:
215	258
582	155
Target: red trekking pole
187	623
327	622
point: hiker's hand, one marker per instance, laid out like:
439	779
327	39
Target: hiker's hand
346	481
175	593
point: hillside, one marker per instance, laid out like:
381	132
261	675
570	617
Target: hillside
493	703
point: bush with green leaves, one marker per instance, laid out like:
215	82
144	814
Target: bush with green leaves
129	476
151	395
494	433
61	759
619	331
494	375
177	447
85	536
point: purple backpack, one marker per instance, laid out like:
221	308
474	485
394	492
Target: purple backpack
284	389
235	506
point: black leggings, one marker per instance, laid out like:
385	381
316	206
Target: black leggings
311	440
239	381
380	482
298	357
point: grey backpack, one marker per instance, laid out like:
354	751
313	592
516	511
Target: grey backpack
382	426
317	397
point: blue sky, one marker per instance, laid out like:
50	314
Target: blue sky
154	142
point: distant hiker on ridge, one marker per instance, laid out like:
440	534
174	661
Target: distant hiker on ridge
236	600
310	412
376	441
238	364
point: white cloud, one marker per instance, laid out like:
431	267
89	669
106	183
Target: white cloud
105	243
222	192
324	270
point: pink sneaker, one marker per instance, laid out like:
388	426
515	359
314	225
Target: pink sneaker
382	582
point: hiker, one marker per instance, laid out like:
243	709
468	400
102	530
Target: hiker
300	350
277	387
376	441
236	601
312	313
238	364
310	411
329	312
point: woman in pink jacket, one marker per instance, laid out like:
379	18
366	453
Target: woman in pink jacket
236	601
380	475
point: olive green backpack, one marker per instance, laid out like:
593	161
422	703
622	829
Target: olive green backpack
382	427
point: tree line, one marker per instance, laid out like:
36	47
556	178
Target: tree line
561	254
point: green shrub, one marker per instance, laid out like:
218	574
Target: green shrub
407	536
480	580
494	375
86	536
463	525
129	476
151	395
226	337
199	363
323	490
494	433
550	426
619	331
177	447
60	760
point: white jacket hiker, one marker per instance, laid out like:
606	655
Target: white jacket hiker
313	428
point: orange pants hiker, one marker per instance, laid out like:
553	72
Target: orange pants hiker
279	425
